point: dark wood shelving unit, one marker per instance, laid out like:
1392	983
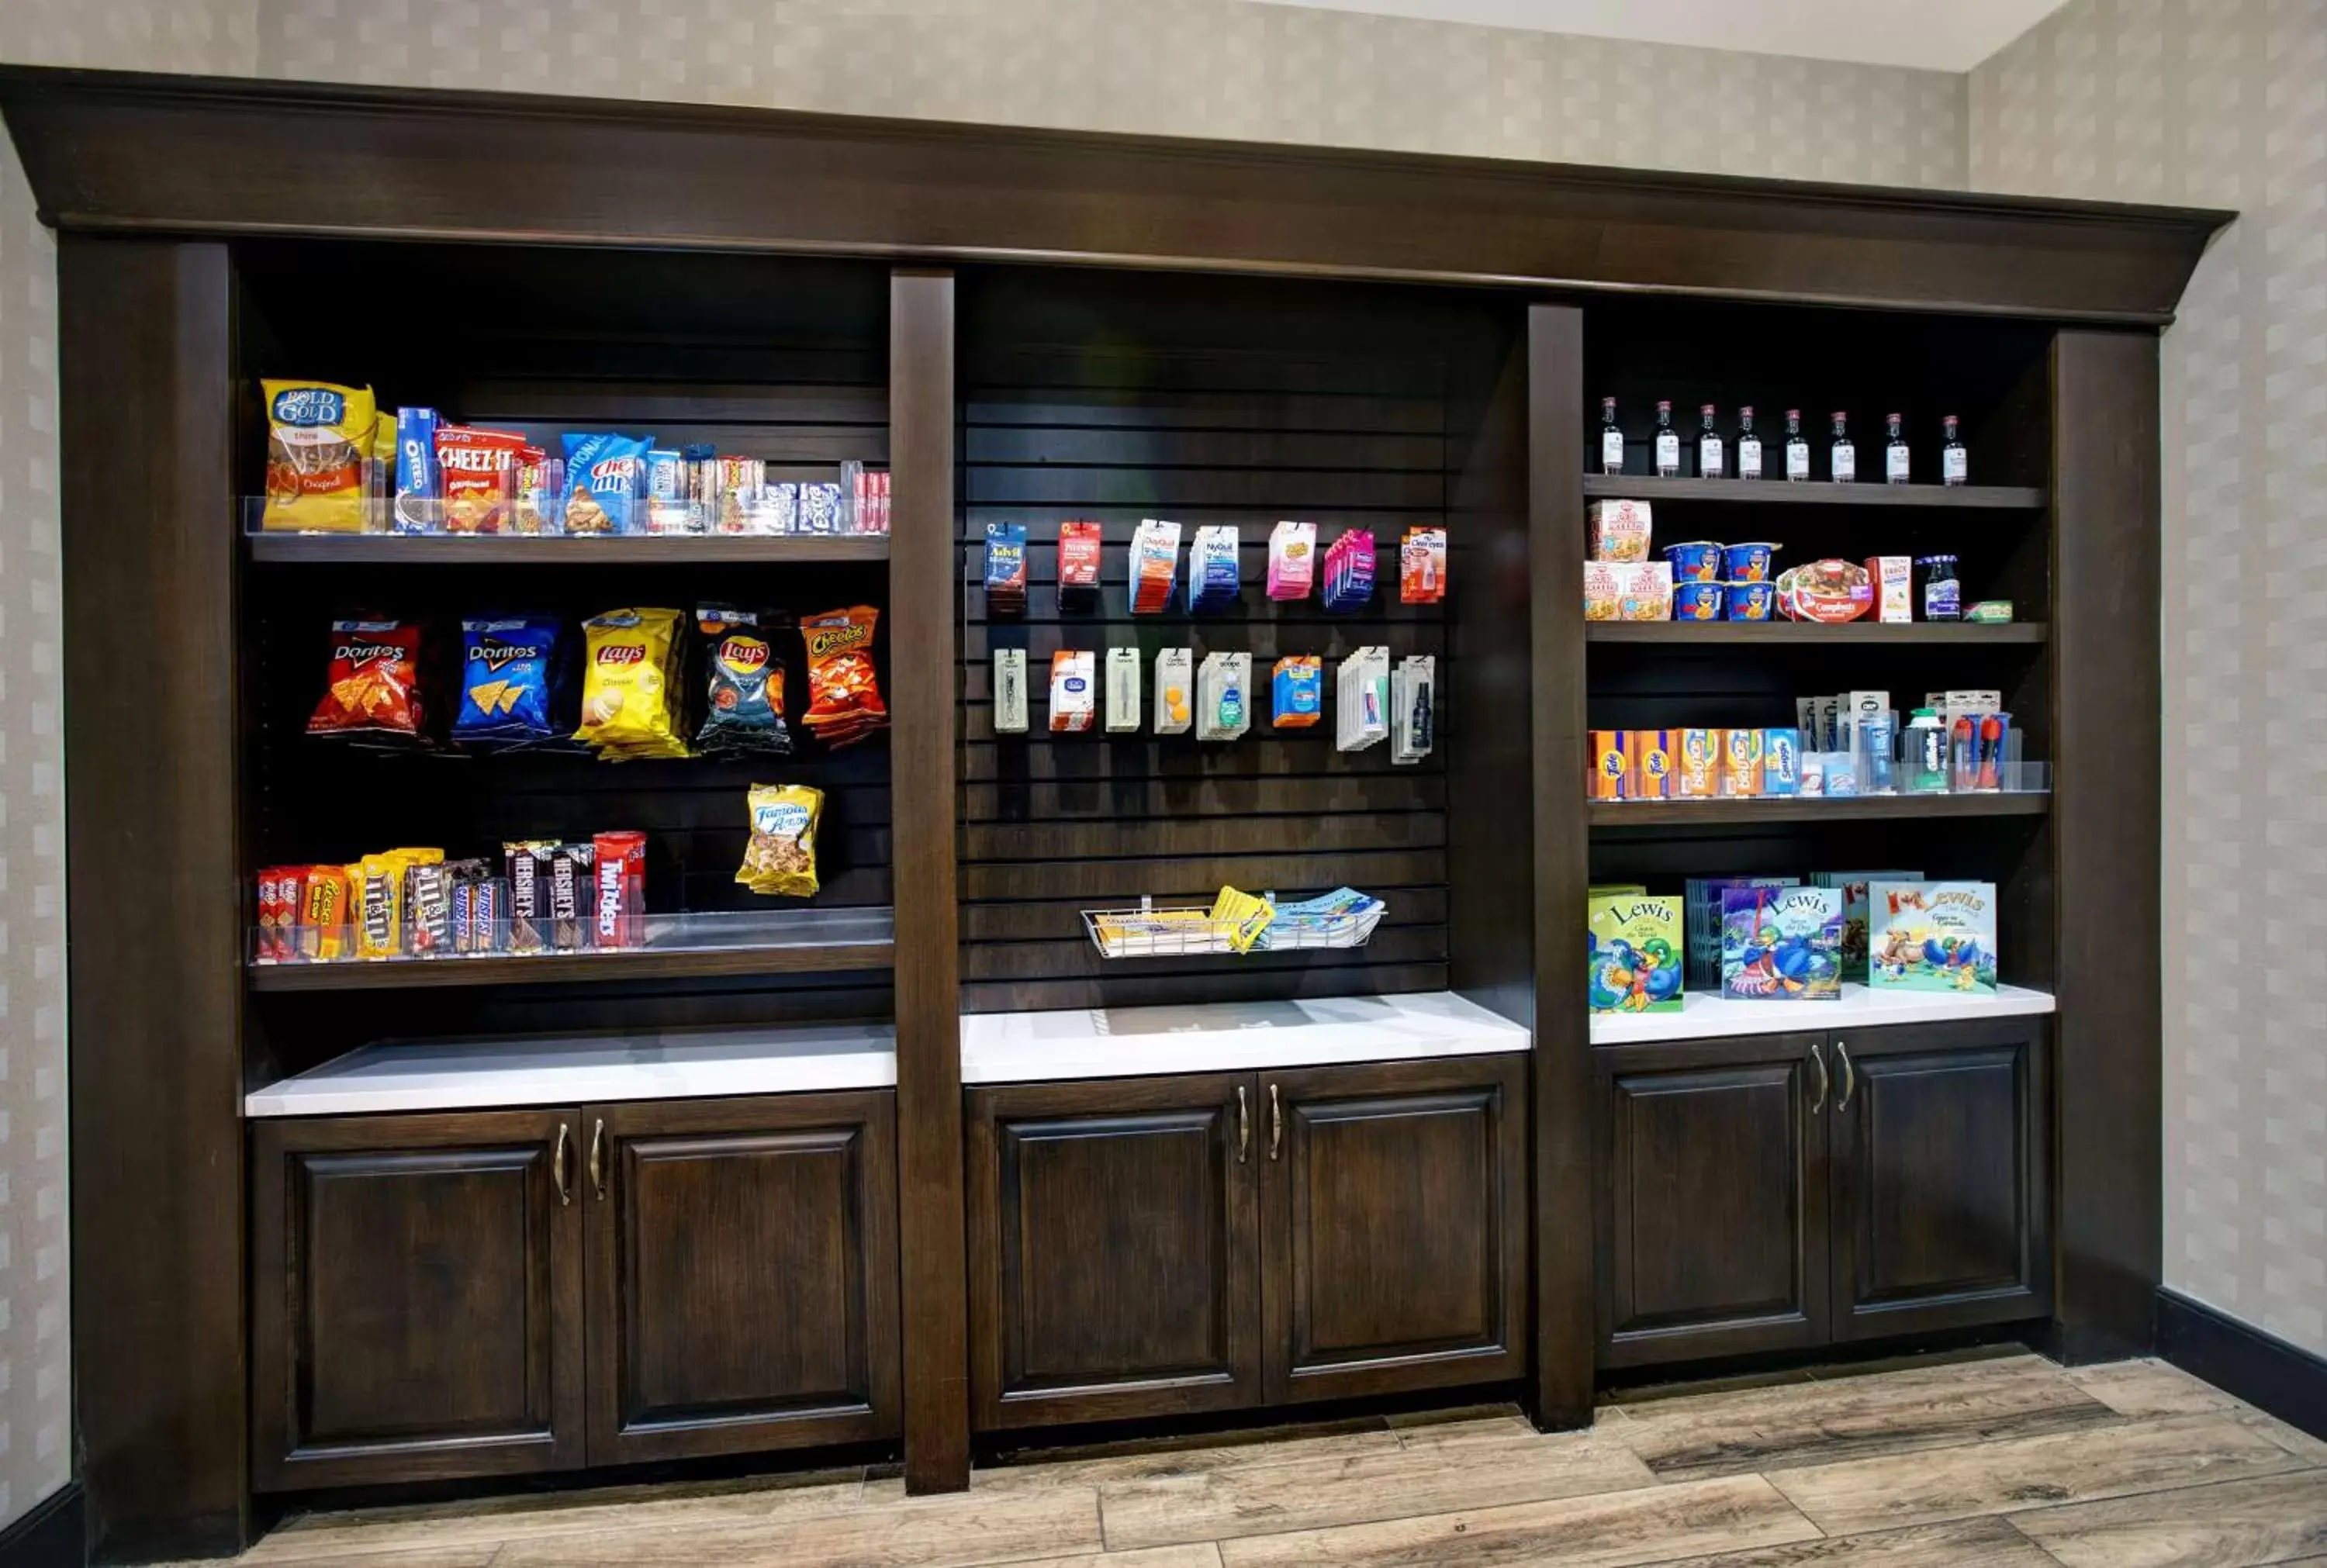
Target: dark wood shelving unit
1813	809
569	968
1815	493
1857	633
528	550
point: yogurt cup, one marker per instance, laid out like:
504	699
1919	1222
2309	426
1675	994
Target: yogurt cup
1695	601
1695	563
1747	564
1751	600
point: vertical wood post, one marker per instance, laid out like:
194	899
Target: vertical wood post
153	963
921	763
1564	1285
2106	817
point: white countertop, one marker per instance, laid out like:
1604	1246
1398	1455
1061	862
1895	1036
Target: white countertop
1705	1017
471	1074
1000	1048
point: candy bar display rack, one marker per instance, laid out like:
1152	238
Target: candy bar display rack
934	1158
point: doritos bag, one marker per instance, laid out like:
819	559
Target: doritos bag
507	668
374	685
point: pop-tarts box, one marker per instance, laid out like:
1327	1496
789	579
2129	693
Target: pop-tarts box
1782	762
1652	763
1611	766
1696	770
1740	762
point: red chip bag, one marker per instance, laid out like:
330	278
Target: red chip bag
375	680
480	477
844	694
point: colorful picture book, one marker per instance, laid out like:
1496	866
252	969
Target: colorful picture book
1702	908
1635	946
1931	936
1854	884
1781	944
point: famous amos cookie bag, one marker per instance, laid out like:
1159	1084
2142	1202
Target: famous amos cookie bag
780	855
373	687
629	685
844	691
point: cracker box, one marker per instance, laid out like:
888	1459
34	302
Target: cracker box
1701	921
1894	592
1635	946
1651	756
1781	944
1611	766
1696	765
1619	530
1931	936
1853	885
1740	762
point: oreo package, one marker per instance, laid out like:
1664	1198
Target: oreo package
508	668
744	686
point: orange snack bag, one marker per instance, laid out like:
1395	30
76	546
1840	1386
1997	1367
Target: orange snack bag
844	690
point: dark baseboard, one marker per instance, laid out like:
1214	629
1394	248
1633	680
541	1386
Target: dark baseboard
2264	1370
50	1536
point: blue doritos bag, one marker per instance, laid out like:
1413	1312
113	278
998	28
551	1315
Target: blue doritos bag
507	668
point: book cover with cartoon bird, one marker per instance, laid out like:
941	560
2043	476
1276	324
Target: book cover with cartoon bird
1931	936
1635	946
1781	944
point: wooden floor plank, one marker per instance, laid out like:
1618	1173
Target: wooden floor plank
1224	1504
2029	1472
1780	1428
456	1528
1986	1541
1037	1473
2233	1524
1200	1555
2148	1387
954	1530
1653	1523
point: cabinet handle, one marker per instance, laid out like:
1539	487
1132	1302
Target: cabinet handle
558	1166
1244	1125
1276	1123
1849	1077
1818	1060
597	1159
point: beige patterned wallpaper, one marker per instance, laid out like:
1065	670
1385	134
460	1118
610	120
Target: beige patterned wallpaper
2223	103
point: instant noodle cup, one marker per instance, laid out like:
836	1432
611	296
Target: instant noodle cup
629	684
1699	600
1694	563
1751	600
1746	563
319	441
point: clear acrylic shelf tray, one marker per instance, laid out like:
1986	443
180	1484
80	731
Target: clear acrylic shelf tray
715	931
1148	932
769	512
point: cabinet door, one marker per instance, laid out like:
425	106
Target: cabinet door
1114	1270
1712	1211
1941	1170
1393	1226
743	1274
415	1298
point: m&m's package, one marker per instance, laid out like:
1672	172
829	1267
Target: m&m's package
844	690
780	855
629	685
374	684
506	669
319	441
605	480
744	686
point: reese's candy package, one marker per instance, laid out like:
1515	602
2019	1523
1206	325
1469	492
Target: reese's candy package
477	470
744	686
507	666
319	445
326	905
629	685
780	855
845	701
605	478
374	684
